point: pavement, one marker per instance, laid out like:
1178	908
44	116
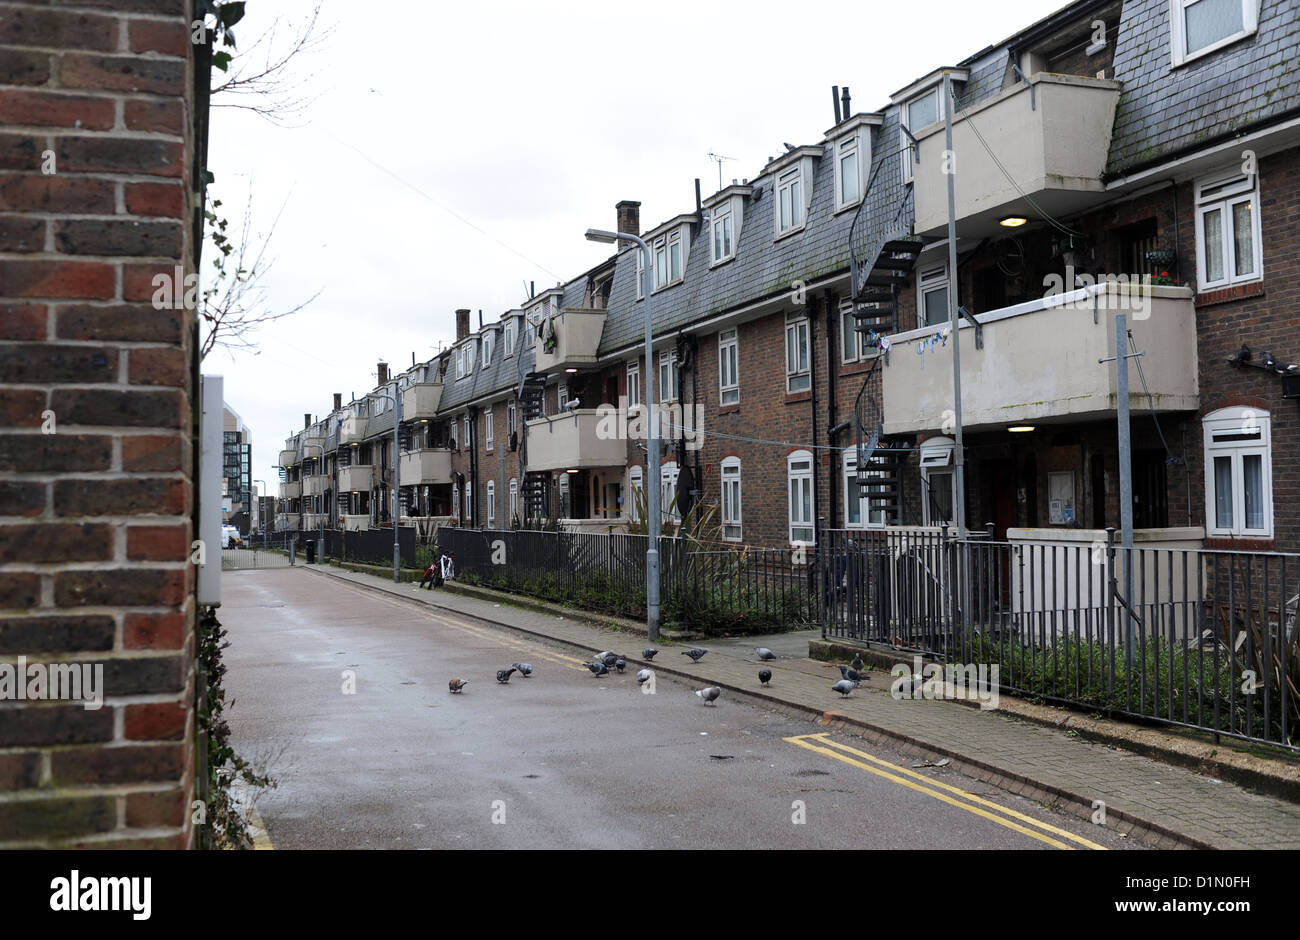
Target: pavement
340	694
1160	805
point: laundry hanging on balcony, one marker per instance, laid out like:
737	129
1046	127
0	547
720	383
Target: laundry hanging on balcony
548	339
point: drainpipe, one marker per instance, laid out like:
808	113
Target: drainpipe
472	483
812	381
831	471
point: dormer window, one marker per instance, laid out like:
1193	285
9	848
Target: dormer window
509	338
725	213
789	200
724	246
668	259
848	173
487	348
920	105
1198	27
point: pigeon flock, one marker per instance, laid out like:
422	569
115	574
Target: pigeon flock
851	676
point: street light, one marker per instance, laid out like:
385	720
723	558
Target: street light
261	523
652	444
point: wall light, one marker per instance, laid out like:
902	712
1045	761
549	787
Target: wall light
1013	221
1020	428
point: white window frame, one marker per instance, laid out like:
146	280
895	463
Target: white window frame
635	484
668	475
562	396
723	217
1228	190
489	430
798	329
633	384
508	334
729	484
868	517
845	147
486	343
789	189
491	504
455	502
510	418
1232	422
460	363
799	479
467	437
1178	52
640	272
668	367
904	111
936	454
469	502
728	368
514	501
670	244
848	327
929	280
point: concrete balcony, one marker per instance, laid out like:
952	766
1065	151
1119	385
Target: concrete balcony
576	337
289	458
291	490
357	523
315	485
577	440
352	431
355	479
1039	362
426	465
287	522
421	401
314	521
1051	134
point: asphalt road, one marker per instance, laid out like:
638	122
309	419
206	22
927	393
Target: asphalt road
560	760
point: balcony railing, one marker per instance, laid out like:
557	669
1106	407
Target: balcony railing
426	465
1040	360
580	439
287	522
291	490
421	400
355	479
315	485
1047	138
353	430
356	523
569	339
289	457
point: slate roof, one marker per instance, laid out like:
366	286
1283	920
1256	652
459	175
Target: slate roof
1164	110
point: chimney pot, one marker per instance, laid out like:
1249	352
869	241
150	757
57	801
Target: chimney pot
462	323
383	373
306	421
629	217
338	401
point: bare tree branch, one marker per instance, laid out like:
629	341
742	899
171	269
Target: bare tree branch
260	81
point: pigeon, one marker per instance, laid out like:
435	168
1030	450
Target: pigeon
603	655
610	659
620	664
649	652
857	662
643	676
695	654
765	676
844	686
503	675
764	653
709	694
598	669
457	684
525	669
852	675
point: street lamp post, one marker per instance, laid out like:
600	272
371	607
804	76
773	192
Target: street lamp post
652	442
396	399
261	523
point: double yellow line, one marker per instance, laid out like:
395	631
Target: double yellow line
822	744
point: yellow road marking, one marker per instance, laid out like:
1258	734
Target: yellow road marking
261	838
934	788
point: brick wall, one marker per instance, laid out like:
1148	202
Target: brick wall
95	518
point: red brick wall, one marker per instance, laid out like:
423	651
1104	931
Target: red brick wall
95	518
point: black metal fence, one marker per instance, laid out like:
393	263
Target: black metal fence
366	546
1203	639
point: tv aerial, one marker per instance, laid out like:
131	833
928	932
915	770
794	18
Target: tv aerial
719	159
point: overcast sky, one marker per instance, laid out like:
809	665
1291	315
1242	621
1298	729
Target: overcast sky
451	154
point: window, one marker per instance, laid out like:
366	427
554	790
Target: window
466	438
848	173
488	430
636	483
798	378
1197	27
514	501
858	510
731	499
932	296
723	233
562	395
938	482
728	377
460	363
668	474
668	259
799	472
1227	230
509	334
469	504
914	115
1238	473
633	384
510	418
491	504
853	343
487	348
455	501
789	200
668	375
640	272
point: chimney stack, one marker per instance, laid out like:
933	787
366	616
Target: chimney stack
462	323
629	217
844	99
835	99
338	401
383	373
306	421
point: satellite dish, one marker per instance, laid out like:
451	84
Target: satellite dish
685	498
